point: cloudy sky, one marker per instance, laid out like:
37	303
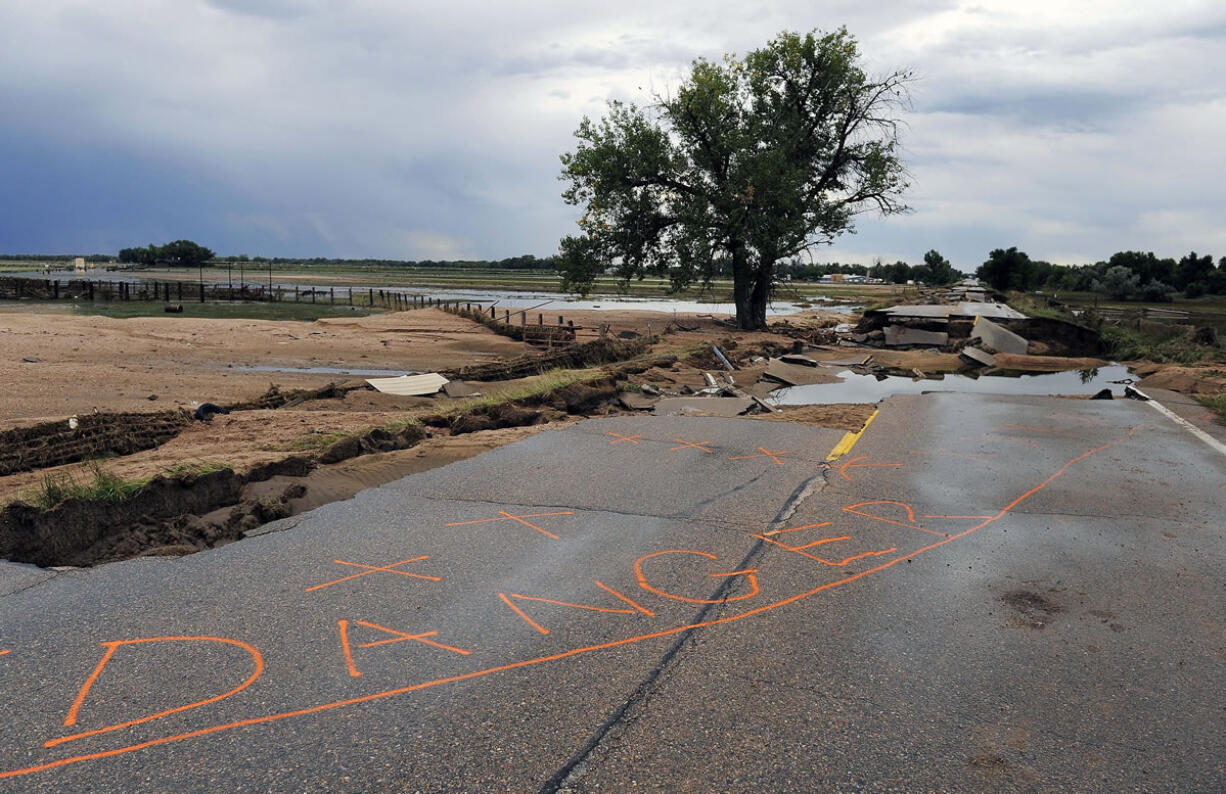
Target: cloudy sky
417	130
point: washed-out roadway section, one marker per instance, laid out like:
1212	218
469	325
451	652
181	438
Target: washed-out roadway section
982	592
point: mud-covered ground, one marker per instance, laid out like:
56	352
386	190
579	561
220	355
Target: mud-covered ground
83	364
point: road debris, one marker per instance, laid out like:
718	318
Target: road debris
409	385
997	338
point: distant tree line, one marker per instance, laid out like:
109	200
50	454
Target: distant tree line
1126	275
180	253
525	262
935	270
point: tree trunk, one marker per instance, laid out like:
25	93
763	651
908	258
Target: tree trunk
757	286
742	285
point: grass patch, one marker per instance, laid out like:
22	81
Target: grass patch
320	440
102	487
196	468
1217	404
398	425
315	441
1127	344
540	386
222	311
1037	306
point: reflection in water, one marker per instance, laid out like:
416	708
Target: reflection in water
1088	375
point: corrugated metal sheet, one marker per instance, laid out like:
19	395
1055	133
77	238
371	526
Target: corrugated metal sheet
409	385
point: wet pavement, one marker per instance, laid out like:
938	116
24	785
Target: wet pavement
984	593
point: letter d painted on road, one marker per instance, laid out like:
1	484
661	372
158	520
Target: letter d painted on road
115	645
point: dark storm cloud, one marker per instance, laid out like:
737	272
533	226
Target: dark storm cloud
316	127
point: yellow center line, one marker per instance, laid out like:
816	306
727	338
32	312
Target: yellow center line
849	440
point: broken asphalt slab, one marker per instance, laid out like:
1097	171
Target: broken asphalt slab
998	338
902	336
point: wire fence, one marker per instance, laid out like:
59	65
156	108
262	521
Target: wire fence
180	292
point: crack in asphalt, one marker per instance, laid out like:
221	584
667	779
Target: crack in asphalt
681	516
50	575
575	767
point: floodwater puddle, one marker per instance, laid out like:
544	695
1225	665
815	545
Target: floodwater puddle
860	388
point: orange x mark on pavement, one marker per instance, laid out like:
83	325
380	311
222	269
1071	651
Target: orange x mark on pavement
765	453
520	519
851	464
695	444
619	438
374	569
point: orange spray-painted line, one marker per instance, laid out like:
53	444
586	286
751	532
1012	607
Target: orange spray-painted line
402	636
904	505
270	718
529	524
801	551
765	453
71	719
797	529
376	569
574	606
643	583
619	438
821	542
343	625
695	444
625	598
957	516
519	519
854	465
10	650
505	516
111	648
523	614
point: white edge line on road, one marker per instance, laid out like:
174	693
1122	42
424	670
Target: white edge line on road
1191	428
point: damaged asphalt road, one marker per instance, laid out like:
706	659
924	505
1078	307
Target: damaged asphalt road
983	593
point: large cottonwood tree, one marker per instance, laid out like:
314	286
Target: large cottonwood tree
749	163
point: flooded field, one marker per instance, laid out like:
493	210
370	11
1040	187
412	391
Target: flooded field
543	302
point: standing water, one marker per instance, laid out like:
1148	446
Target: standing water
859	388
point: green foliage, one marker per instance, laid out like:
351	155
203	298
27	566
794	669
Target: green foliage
544	384
180	253
1154	292
1196	289
104	487
1217	404
939	269
1129	344
749	163
1009	269
1193	268
1118	282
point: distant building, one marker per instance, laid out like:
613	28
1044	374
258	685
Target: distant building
78	264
